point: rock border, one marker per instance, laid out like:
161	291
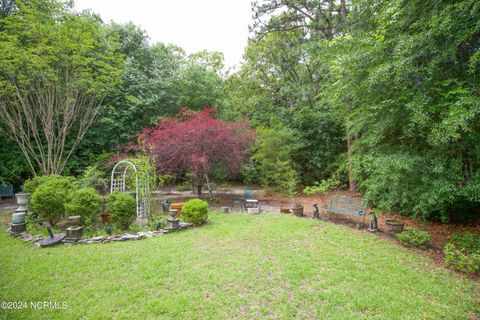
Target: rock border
101	239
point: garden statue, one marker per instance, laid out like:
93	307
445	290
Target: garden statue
316	214
373	227
165	206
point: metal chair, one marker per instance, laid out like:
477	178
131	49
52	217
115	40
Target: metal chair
249	202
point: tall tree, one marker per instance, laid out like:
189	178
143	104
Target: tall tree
197	143
410	73
56	66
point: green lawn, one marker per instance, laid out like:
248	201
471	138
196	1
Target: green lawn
237	267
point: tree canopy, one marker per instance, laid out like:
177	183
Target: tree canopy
378	96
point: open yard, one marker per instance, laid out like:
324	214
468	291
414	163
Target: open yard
239	266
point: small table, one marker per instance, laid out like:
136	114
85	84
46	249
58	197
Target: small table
253	205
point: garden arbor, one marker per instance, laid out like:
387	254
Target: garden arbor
127	173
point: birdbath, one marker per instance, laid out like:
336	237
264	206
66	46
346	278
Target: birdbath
52	239
173	222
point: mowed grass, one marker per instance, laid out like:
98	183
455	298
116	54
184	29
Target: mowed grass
238	266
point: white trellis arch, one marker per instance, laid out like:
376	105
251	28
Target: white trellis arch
142	188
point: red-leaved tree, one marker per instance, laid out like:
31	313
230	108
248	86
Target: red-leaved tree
196	143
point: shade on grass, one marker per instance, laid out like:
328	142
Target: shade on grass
237	267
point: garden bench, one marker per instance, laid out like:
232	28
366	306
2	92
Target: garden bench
248	202
6	190
348	206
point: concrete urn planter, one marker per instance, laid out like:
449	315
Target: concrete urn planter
298	211
394	226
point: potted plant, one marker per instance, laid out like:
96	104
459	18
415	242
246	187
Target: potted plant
105	217
290	187
297	209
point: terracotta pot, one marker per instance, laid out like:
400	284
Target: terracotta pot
394	226
105	217
284	210
177	206
298	211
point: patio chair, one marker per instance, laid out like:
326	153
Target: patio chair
249	202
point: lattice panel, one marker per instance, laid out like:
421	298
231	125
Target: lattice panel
118	185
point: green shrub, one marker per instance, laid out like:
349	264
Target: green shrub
85	202
94	178
122	208
185	186
195	211
458	259
413	237
466	241
274	156
49	197
32	184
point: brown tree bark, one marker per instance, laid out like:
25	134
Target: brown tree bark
351	181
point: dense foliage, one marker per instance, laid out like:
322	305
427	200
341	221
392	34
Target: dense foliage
463	252
195	211
196	143
377	96
413	237
386	91
122	208
84	202
50	196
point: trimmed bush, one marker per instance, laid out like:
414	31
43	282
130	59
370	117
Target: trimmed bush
463	252
413	237
85	202
459	260
122	209
195	211
466	241
49	197
32	184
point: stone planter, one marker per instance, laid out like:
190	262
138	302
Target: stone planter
394	226
18	227
74	221
173	223
74	233
22	200
174	213
18	217
298	211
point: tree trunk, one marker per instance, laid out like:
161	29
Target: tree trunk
208	186
351	181
199	190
